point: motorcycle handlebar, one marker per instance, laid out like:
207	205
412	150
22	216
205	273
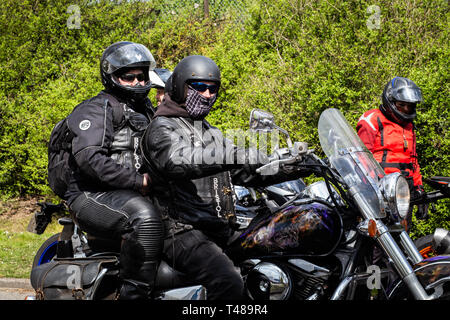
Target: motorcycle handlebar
276	163
287	155
429	197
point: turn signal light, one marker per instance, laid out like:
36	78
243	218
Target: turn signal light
372	228
404	223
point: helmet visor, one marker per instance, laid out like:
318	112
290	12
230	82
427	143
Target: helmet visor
164	74
130	55
159	77
407	94
155	80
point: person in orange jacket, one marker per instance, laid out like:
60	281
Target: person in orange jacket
389	133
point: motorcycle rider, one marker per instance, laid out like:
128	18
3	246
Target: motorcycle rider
389	133
158	77
189	161
106	195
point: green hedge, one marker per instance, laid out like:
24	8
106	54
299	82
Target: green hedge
293	58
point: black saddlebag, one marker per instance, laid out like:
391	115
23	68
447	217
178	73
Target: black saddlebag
70	279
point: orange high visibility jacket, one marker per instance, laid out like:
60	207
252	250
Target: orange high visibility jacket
392	145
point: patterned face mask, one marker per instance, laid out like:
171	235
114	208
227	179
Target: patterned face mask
197	105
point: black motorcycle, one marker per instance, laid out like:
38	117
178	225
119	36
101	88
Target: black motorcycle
72	243
439	242
341	238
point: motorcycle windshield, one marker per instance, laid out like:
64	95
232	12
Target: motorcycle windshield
353	161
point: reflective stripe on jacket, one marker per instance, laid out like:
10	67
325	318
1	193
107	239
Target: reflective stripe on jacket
392	145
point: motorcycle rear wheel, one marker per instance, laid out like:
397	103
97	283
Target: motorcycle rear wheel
47	251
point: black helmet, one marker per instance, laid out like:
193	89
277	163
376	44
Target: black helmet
158	77
400	89
121	57
190	69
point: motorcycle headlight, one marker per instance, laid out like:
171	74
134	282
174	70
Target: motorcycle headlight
396	191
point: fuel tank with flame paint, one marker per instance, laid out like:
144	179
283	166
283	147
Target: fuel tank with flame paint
309	229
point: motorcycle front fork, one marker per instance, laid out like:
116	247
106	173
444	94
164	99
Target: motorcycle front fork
399	260
401	263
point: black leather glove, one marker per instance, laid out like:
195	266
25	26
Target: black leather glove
251	159
422	208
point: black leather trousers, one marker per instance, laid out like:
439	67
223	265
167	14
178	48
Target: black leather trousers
126	216
193	253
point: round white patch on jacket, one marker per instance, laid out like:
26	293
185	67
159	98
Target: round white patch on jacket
85	124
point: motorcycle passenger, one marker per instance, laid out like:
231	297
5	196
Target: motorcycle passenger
190	160
107	192
158	77
389	133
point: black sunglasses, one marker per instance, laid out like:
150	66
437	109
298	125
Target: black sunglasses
129	77
202	87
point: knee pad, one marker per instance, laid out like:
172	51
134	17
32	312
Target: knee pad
149	234
144	228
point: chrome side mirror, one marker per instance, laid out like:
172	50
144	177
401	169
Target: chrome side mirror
261	120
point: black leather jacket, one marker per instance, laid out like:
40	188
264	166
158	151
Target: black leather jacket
105	145
193	169
189	163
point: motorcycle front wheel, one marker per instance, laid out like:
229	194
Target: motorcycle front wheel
433	273
47	251
425	246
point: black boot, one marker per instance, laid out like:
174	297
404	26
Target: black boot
141	287
134	290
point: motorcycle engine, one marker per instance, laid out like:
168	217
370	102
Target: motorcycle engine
267	281
298	279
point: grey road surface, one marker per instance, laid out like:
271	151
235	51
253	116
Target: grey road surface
15	289
14	293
